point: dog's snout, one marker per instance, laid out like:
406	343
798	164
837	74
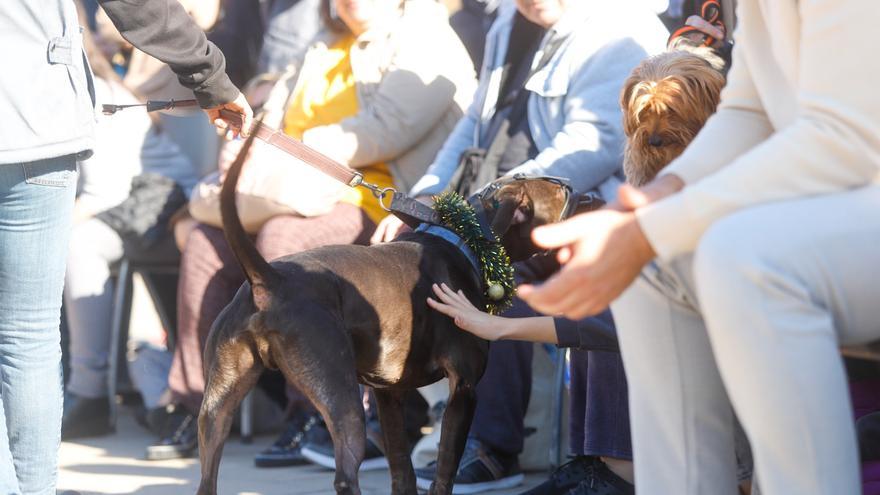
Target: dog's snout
655	140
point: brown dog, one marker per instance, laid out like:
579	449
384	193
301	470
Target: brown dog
335	316
665	101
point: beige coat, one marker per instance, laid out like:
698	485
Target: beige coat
800	116
414	80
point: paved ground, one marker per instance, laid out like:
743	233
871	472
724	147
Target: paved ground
113	465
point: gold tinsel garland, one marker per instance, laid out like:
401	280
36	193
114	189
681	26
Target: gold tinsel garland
498	283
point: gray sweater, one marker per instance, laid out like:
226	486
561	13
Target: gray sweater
47	102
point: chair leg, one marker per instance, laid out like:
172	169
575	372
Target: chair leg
558	395
161	311
247	418
120	299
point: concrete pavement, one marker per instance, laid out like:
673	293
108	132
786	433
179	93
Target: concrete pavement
114	465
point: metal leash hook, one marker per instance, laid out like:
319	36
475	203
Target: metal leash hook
379	192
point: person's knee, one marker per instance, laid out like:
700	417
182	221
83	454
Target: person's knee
728	258
202	239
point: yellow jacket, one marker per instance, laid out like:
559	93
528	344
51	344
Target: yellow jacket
414	79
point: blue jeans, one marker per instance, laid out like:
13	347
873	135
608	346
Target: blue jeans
36	201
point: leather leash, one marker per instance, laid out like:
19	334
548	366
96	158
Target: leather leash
410	211
278	139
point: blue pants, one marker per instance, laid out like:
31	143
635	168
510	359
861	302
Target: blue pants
599	416
36	201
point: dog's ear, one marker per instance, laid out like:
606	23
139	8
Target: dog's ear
505	213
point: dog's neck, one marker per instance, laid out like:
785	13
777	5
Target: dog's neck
451	237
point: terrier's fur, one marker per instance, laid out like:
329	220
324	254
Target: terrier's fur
665	101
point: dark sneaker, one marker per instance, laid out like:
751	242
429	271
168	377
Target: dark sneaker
318	448
565	477
602	481
480	470
286	451
85	417
182	441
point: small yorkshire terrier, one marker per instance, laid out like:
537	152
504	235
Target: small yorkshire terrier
665	101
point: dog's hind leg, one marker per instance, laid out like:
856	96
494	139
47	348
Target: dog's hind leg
232	369
403	478
453	434
345	420
322	369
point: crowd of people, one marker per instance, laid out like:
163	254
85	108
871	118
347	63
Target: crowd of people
702	310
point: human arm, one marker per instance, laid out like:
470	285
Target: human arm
596	333
832	145
164	30
467	317
439	174
588	146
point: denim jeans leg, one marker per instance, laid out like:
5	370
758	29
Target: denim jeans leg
36	199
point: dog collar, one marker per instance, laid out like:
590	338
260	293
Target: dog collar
452	238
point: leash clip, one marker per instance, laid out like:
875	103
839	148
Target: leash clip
381	193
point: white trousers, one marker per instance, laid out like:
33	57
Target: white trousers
753	319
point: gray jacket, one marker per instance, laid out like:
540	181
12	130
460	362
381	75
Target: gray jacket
573	110
47	99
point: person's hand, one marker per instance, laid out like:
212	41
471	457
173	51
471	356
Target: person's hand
705	27
465	315
389	228
630	198
602	253
237	126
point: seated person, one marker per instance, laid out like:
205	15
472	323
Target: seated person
551	80
737	273
128	189
380	95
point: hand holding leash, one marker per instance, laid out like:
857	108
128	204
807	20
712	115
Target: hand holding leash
235	115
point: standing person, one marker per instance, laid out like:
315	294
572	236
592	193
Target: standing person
48	119
763	239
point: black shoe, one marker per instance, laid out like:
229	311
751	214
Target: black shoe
286	451
318	449
480	470
182	440
565	477
84	417
868	433
602	481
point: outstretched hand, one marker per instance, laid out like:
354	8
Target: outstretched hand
465	315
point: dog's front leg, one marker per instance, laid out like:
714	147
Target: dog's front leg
403	478
453	434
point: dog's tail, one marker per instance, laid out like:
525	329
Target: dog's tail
262	277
